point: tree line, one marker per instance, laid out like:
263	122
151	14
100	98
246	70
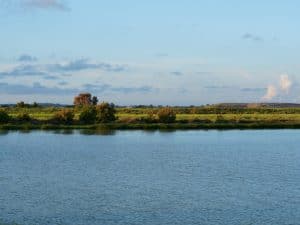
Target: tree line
90	112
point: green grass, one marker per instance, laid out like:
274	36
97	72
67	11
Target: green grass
130	120
48	113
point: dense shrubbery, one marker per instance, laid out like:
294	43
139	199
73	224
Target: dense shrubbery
106	112
151	117
88	115
103	113
4	117
64	116
129	120
212	110
23	117
21	104
166	115
26	105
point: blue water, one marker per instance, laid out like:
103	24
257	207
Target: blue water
138	177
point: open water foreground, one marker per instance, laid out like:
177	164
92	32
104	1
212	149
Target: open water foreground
150	177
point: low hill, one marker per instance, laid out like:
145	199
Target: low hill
257	105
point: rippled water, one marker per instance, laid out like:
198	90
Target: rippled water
138	177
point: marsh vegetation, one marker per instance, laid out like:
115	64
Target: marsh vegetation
88	113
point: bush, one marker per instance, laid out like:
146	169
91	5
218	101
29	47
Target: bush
150	118
23	117
35	105
106	112
129	120
64	116
166	115
88	115
4	117
21	104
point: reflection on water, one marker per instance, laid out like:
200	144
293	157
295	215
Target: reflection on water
63	131
150	177
98	132
103	132
4	132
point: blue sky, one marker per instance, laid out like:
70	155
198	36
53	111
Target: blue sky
150	52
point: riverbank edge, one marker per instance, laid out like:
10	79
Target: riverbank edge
152	126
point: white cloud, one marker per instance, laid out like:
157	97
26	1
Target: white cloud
285	83
271	93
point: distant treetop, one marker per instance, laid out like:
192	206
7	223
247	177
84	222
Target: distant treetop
85	99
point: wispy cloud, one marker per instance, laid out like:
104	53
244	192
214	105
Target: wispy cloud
84	64
45	4
108	88
127	90
253	89
219	87
63	83
252	37
23	70
49	70
51	77
177	73
27	58
36	88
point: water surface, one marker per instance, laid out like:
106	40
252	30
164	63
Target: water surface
138	177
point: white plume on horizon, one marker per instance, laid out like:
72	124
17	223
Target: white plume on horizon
285	83
271	93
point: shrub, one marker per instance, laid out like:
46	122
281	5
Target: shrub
23	117
150	118
35	105
129	120
166	115
220	119
88	114
21	104
106	112
64	116
4	117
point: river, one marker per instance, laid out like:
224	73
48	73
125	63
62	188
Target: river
150	177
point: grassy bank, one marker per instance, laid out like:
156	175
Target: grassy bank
186	118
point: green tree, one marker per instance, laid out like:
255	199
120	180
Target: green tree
106	112
4	117
151	116
64	116
21	104
88	115
85	99
166	115
23	117
94	100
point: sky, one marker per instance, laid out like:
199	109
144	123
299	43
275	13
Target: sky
169	52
